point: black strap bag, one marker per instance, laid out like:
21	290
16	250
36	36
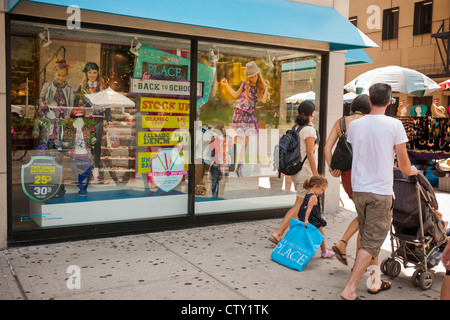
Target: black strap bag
342	155
287	160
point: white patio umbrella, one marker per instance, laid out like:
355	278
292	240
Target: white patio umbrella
311	96
400	79
299	97
108	98
349	97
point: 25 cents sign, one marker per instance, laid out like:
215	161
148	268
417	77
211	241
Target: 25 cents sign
41	178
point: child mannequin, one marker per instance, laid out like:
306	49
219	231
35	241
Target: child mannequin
92	83
310	210
55	103
220	148
82	163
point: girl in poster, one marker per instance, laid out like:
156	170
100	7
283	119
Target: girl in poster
55	103
250	92
92	83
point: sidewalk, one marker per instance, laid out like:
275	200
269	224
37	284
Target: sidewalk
221	262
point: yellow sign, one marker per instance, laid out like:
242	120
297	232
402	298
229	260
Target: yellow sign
150	139
145	161
150	104
166	122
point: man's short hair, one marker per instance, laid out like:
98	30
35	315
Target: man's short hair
380	94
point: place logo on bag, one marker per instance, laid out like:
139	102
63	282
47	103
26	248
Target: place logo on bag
293	252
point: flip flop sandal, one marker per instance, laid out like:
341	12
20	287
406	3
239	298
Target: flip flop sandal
273	239
384	286
342	257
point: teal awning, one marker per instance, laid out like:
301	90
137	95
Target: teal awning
352	57
280	18
358	56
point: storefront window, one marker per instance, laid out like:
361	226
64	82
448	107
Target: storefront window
101	120
238	128
100	126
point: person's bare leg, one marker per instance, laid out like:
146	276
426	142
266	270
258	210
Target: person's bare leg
352	228
445	289
362	262
292	213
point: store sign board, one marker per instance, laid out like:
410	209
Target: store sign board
164	71
41	178
167	169
149	57
165	122
151	104
157	139
163	87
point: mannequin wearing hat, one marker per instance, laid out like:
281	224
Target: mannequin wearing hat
250	92
93	83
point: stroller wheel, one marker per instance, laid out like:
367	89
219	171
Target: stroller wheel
384	265
426	280
390	267
422	279
393	268
415	277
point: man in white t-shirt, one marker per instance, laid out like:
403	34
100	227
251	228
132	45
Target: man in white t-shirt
376	139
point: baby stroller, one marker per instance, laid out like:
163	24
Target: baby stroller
417	235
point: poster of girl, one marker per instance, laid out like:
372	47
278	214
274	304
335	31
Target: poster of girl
250	92
92	83
55	103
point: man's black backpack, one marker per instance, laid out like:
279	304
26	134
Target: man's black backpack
287	153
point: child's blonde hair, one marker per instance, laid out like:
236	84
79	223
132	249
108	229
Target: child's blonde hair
61	65
319	181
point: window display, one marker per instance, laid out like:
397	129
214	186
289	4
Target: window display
104	135
102	128
238	129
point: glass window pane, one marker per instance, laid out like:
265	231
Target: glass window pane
239	126
101	133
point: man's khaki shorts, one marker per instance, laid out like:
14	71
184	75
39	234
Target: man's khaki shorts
374	218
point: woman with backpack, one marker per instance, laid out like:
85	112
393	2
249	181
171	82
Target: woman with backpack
360	107
308	148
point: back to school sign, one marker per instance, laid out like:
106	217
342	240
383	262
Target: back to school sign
163	87
158	72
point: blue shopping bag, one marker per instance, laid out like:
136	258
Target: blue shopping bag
298	245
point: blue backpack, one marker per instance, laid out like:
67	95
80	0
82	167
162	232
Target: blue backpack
287	153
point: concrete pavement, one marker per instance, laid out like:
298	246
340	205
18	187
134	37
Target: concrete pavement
220	262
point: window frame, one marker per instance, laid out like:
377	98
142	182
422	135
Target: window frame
71	232
353	20
390	23
422	11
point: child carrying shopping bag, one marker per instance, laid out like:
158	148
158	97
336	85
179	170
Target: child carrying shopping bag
311	211
306	236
